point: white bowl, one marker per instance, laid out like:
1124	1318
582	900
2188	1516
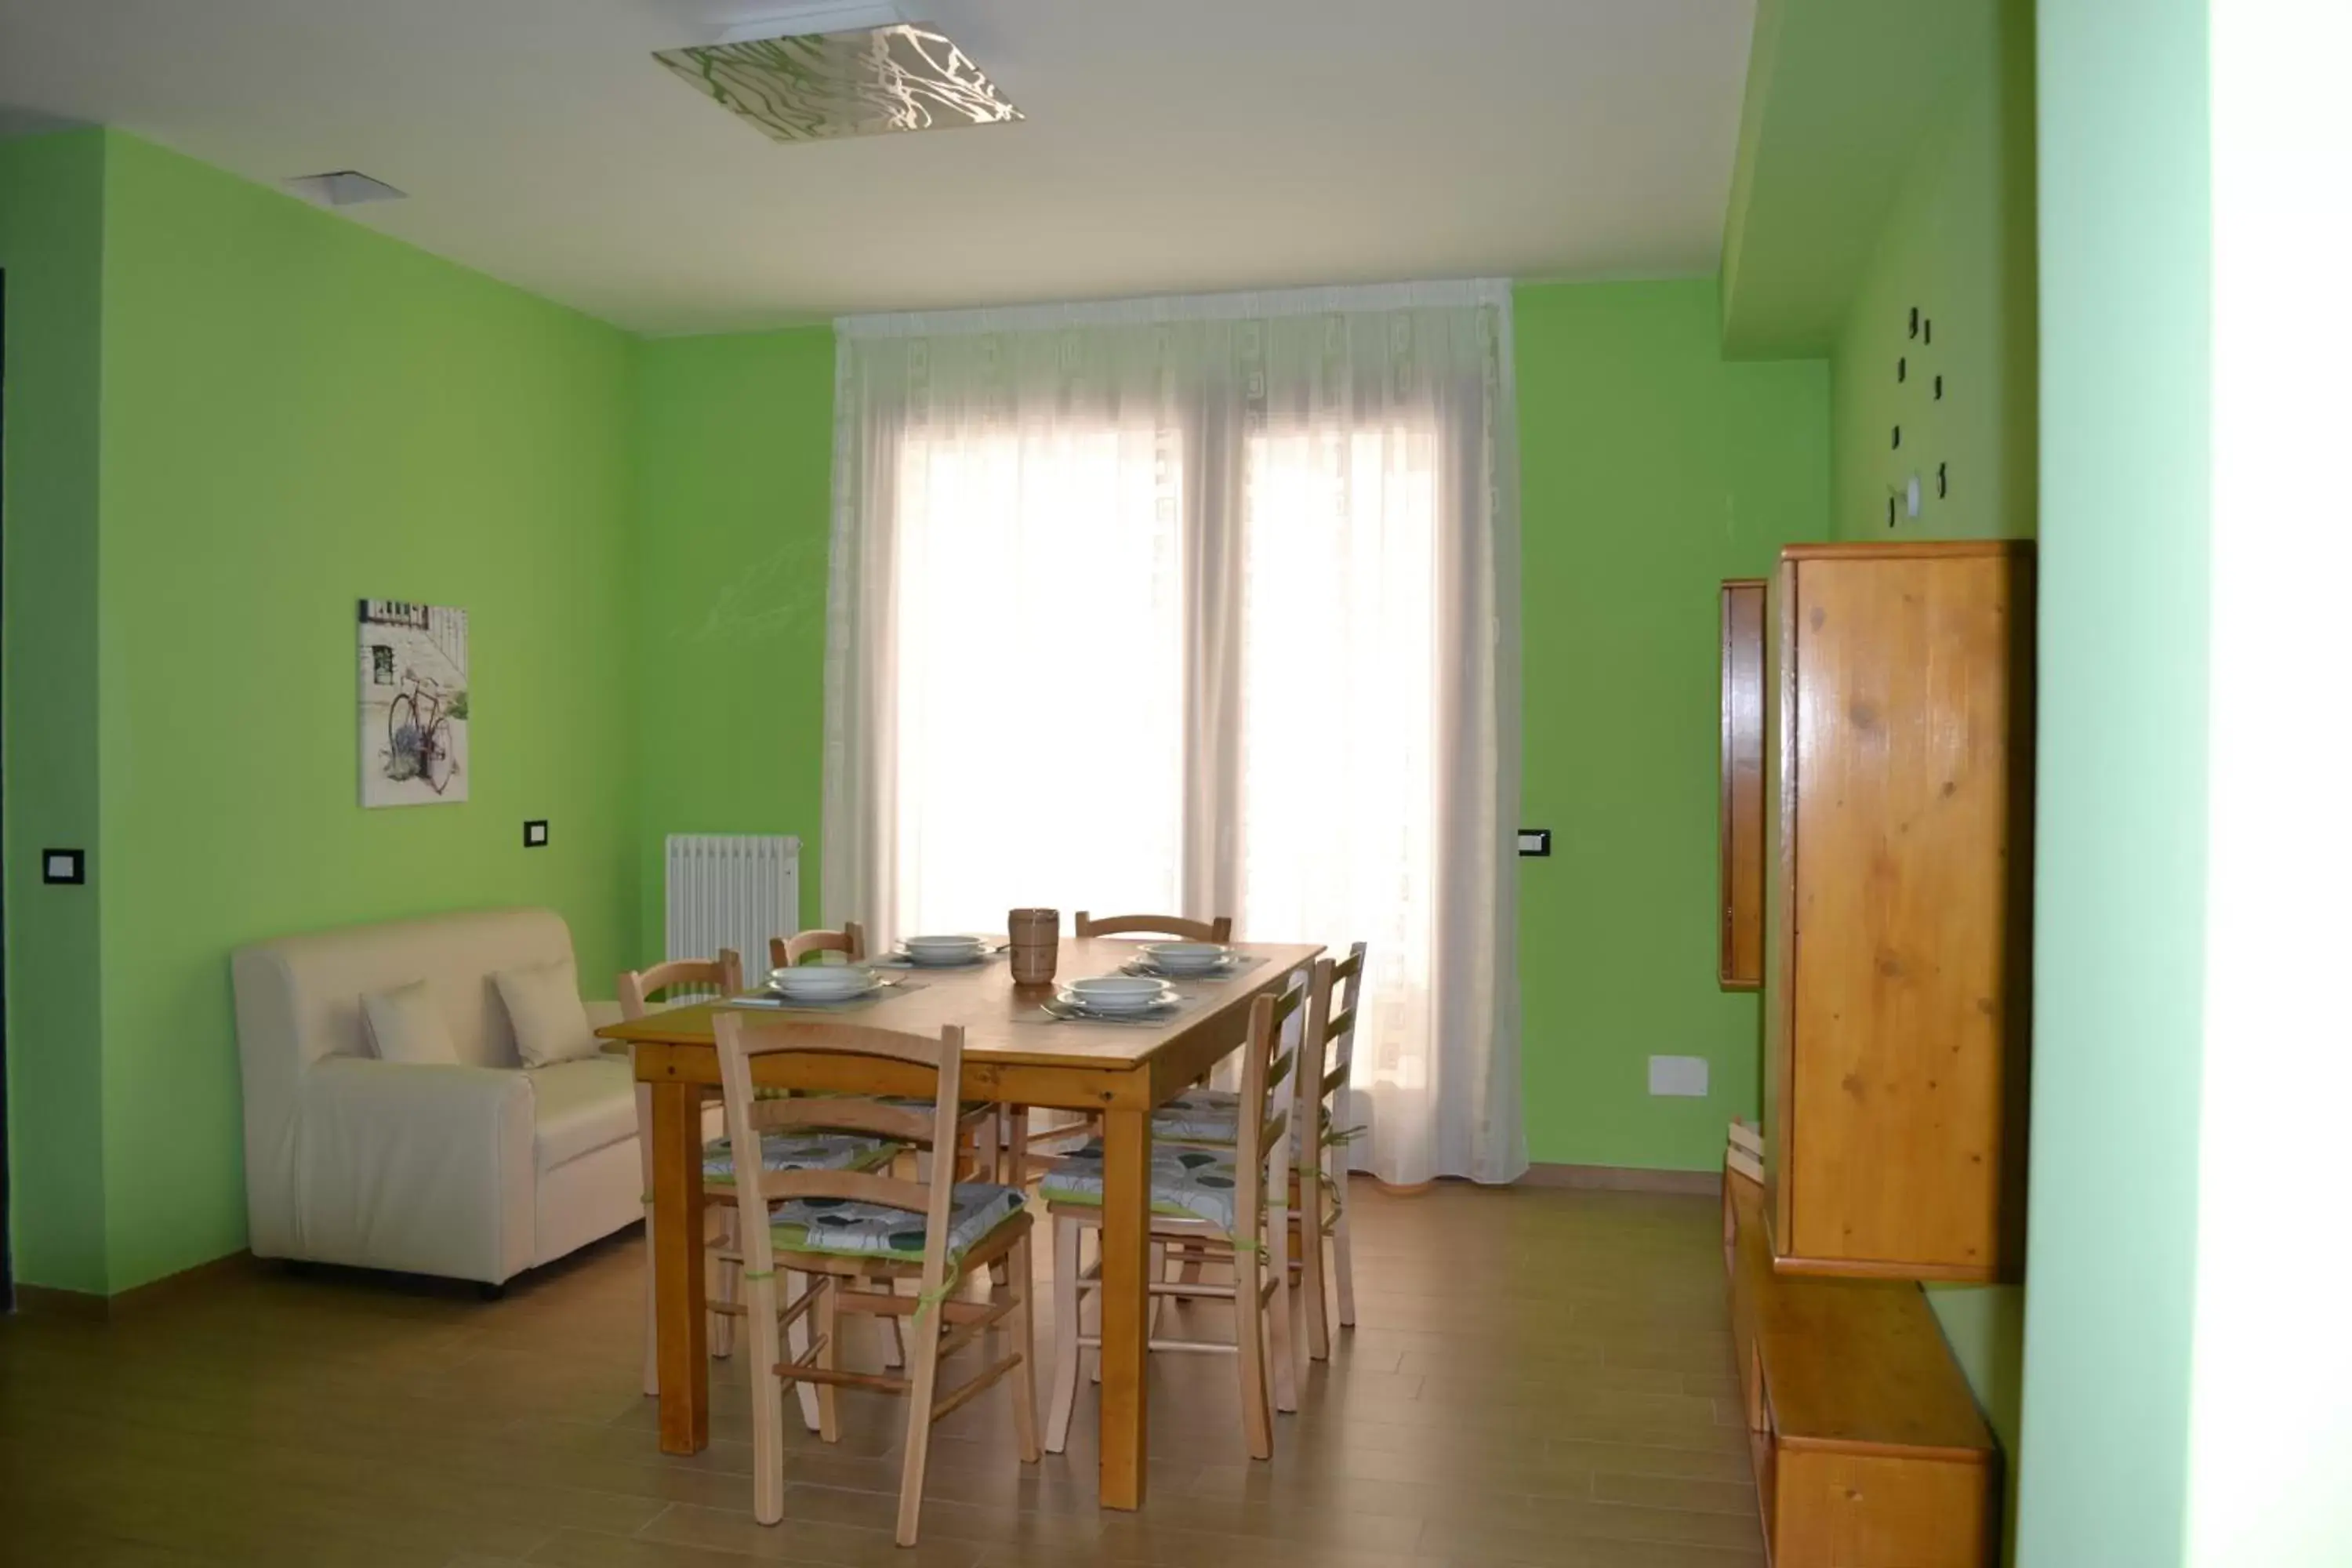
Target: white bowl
1118	993
943	948
1185	957
823	980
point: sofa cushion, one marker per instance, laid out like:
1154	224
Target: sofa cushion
581	1107
543	1007
406	1026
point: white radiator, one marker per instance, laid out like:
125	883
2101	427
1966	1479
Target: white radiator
732	890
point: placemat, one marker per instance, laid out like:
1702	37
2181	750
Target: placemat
1243	963
769	1001
1046	1014
900	961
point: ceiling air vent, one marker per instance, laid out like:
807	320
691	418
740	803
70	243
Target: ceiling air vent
342	188
835	70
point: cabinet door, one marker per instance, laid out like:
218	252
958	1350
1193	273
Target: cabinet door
1907	750
1739	833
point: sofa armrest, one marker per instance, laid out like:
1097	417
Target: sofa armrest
423	1169
601	1014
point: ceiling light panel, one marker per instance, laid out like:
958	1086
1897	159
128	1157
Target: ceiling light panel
859	82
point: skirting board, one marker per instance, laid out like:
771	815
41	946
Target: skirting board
45	1301
1625	1179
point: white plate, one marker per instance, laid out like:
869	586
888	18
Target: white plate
826	983
1186	957
941	951
1117	994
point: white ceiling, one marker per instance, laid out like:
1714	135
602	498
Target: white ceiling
1171	146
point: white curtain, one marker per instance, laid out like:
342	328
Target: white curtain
1209	606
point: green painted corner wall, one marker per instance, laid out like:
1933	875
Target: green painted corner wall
51	238
1959	244
298	412
1650	471
1958	247
734	502
2119	875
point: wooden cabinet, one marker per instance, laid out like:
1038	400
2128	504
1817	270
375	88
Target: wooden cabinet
1740	833
1898	907
1868	1449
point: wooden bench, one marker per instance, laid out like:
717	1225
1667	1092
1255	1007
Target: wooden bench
1869	1450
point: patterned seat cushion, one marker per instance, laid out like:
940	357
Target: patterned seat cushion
788	1149
849	1228
1194	1184
1198	1116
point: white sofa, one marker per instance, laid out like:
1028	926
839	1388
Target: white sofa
476	1171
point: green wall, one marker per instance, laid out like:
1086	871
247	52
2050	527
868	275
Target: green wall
1959	247
734	488
2120	860
50	239
297	413
1651	470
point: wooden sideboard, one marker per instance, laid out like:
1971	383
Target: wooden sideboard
1869	1451
1897	908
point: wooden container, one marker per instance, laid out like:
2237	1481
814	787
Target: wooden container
1898	931
1740	825
1036	944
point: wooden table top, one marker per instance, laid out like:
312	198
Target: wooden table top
983	999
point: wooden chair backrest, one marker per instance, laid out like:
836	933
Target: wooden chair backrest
1267	1060
785	952
1326	1070
1220	929
636	988
740	1038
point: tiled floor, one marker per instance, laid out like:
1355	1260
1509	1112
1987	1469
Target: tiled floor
1538	1377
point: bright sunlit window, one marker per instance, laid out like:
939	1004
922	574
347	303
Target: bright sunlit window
1040	644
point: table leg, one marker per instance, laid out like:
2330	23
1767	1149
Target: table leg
681	1320
1125	1238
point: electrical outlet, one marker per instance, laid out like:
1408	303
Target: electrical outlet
1681	1076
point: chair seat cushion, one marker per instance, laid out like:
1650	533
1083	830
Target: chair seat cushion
580	1107
846	1227
1198	1116
796	1149
1195	1184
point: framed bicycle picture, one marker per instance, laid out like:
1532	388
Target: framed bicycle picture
413	712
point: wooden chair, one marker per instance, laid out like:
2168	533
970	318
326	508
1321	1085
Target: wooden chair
852	1234
1218	930
1227	1204
785	1145
1018	1142
637	990
786	952
1329	1055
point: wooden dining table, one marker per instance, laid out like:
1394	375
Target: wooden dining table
1120	1071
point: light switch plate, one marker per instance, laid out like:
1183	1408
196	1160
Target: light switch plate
1535	843
535	834
1681	1076
62	867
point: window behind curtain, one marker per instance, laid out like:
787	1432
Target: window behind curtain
1337	791
1040	664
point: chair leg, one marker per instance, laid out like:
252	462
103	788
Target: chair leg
827	1313
1281	1330
1249	1334
1343	1267
1156	1271
797	1338
1310	1270
730	1291
894	1348
1024	1329
1063	1401
767	1404
923	1358
652	1358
